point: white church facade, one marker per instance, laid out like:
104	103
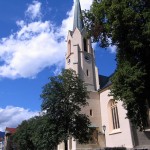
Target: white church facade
107	116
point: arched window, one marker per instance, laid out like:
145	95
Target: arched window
69	47
114	118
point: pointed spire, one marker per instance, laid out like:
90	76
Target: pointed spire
78	22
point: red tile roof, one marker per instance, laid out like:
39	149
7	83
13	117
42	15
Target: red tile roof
10	130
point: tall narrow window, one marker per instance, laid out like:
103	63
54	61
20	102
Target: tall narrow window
85	45
69	47
68	61
91	112
87	72
114	113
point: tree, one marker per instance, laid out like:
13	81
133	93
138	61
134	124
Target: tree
126	24
22	137
44	134
63	98
36	133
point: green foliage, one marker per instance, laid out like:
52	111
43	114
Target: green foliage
126	24
63	98
36	133
129	87
22	137
43	135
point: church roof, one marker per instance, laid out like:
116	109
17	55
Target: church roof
104	81
78	22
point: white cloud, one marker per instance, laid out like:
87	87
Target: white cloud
36	45
85	4
13	116
30	50
112	49
34	10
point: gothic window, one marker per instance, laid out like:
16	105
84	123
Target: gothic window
85	45
114	115
69	47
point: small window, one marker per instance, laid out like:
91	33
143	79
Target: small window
68	61
114	113
85	45
91	112
87	72
69	47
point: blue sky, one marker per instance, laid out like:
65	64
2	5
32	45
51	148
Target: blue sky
32	48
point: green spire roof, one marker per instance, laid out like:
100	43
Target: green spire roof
78	22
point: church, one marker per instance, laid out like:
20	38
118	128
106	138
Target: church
108	117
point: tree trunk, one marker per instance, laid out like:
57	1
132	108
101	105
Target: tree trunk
66	144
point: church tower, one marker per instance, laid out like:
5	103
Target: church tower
80	55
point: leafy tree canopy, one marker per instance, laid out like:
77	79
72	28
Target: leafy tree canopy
126	24
63	98
36	133
23	135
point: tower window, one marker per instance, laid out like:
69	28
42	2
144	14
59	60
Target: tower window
69	47
91	112
87	72
68	61
85	45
